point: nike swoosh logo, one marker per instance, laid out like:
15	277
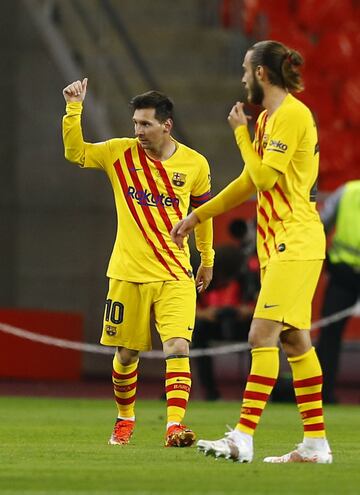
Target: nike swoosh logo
266	306
191	329
135	169
272	149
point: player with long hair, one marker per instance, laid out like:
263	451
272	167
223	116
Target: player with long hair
281	168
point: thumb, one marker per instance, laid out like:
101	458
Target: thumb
182	231
239	106
174	230
84	83
178	228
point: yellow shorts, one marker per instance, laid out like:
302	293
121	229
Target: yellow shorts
287	290
129	307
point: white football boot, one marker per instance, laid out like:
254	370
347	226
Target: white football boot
232	447
305	453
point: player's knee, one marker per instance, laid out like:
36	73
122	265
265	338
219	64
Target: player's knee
126	356
254	339
295	342
264	333
176	346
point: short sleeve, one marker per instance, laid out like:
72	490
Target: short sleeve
283	139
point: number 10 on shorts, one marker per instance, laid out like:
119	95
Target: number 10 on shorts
114	311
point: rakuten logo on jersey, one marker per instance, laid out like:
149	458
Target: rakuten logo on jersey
277	146
146	198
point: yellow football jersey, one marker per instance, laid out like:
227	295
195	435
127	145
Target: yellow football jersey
289	226
150	197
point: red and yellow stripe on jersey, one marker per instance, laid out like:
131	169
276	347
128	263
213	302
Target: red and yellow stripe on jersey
289	227
150	197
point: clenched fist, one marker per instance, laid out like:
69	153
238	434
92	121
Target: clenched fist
76	91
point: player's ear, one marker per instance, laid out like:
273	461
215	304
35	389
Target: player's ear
168	125
260	72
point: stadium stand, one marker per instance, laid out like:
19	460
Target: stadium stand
52	216
327	34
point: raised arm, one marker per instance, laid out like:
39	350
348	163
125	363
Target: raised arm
74	145
76	149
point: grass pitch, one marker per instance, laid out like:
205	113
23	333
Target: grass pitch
57	446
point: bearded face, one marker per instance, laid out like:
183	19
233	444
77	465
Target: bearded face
255	91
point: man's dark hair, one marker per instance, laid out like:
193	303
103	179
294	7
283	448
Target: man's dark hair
163	105
282	64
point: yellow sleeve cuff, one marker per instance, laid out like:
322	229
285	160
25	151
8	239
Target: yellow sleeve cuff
207	259
74	108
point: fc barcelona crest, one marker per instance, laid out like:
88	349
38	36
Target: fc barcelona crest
110	330
178	179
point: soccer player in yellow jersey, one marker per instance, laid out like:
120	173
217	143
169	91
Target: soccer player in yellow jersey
154	179
281	167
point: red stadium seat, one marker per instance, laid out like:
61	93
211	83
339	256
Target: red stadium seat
259	16
349	103
335	51
230	13
351	28
278	11
294	38
319	97
337	157
318	17
250	12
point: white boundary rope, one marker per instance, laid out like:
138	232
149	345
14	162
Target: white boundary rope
99	349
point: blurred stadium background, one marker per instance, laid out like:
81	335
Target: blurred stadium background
58	223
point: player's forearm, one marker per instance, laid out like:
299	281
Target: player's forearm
74	145
263	176
234	194
204	242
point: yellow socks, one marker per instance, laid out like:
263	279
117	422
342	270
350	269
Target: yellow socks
307	376
125	380
178	385
261	380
